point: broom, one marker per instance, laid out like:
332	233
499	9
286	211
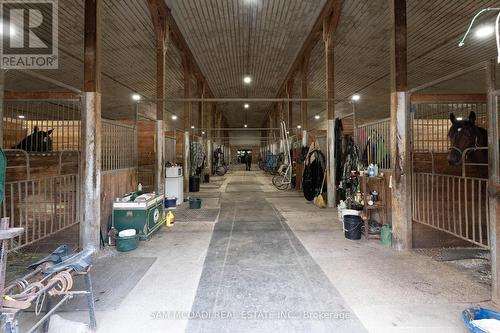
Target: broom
319	201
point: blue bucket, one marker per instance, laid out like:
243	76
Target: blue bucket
477	313
170	203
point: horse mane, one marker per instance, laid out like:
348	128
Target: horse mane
482	136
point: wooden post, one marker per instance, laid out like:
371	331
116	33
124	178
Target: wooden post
401	187
187	120
303	93
91	129
201	94
289	92
208	131
2	100
494	180
158	13
328	39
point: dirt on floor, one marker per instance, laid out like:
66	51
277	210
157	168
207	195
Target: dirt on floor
474	261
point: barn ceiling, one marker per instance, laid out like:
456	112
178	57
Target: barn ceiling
261	38
231	39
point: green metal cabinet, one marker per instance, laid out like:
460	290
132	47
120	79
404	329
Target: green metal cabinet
145	217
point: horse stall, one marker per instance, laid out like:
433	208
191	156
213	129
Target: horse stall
118	164
42	141
449	178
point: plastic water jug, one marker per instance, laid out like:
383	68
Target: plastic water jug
371	170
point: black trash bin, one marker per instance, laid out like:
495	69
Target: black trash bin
194	183
352	227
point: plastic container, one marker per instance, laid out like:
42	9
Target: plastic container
350	212
128	243
194	203
194	184
477	313
170	203
127	233
371	170
386	235
352	227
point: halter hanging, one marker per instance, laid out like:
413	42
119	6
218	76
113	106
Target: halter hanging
461	152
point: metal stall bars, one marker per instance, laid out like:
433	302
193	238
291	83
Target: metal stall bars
119	145
42	181
373	140
451	199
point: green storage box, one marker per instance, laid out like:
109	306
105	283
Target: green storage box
144	216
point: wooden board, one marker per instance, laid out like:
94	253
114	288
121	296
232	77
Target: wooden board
113	185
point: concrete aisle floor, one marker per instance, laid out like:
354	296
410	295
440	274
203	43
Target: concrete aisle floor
271	253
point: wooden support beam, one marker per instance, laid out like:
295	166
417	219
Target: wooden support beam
90	208
159	12
493	179
304	72
2	92
43	95
186	64
448	98
92	50
330	23
401	186
289	92
201	94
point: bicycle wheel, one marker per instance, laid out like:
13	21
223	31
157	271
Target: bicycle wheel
281	182
221	171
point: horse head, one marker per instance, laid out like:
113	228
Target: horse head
464	134
38	141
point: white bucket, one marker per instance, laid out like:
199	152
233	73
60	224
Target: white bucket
127	233
350	212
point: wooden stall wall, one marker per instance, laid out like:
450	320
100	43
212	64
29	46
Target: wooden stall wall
179	147
114	184
146	150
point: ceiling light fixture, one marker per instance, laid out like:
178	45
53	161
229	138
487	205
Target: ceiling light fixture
174	117
484	31
317	117
21	116
246	105
299	127
136	97
247	79
245	125
356	97
192	126
203	133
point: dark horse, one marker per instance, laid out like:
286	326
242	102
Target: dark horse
38	141
465	134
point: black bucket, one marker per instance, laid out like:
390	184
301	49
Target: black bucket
352	227
194	184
